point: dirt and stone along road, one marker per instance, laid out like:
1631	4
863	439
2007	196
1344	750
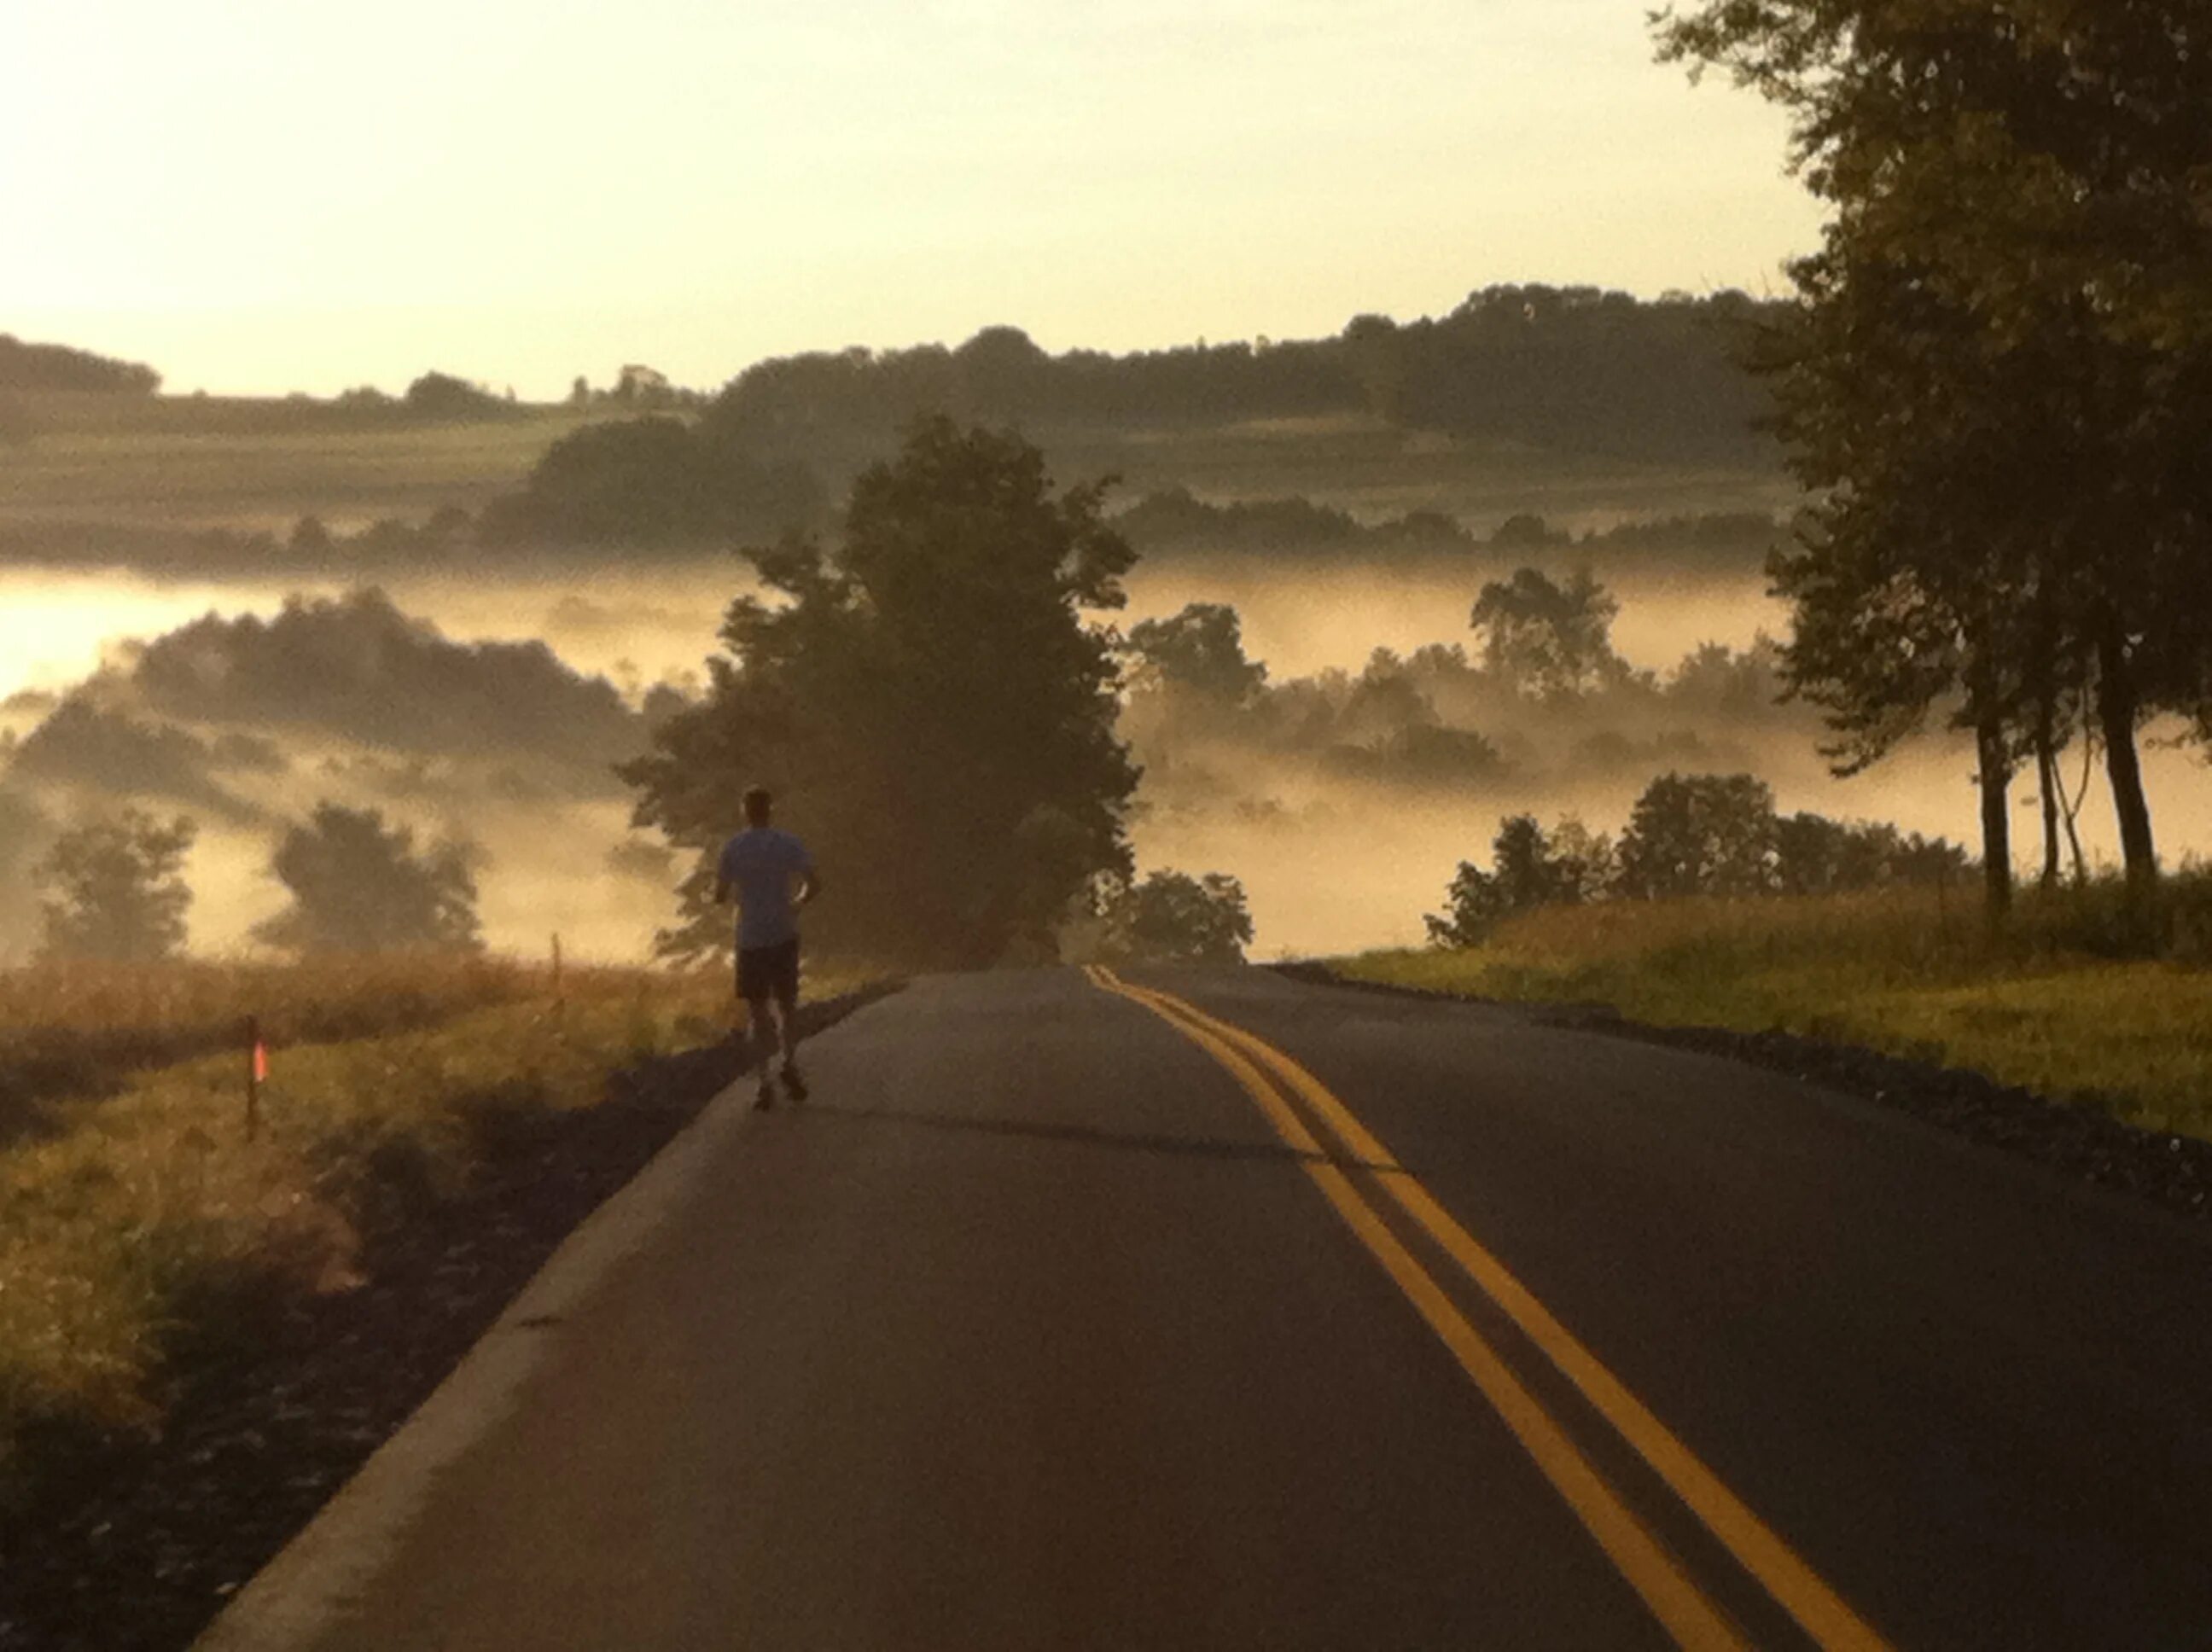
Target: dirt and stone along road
1212	1310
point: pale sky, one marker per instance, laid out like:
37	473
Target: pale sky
263	196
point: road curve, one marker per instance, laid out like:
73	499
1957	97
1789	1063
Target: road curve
1205	1309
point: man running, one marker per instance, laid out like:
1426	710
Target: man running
772	876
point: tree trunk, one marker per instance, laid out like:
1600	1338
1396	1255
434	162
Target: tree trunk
2072	801
2046	775
2073	834
1996	778
2119	708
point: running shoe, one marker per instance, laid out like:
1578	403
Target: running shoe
793	1082
764	1097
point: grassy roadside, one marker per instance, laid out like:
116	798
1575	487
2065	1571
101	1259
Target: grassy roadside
133	1219
1897	973
77	1029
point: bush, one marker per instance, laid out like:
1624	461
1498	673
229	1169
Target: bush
1173	918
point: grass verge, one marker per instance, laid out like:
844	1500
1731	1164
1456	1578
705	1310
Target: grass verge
79	1029
139	1219
1896	973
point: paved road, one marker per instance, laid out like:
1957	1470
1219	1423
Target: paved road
1069	1316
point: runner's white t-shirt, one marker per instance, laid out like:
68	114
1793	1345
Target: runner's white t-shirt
762	864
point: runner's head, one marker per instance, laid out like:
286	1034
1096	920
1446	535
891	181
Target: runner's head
758	806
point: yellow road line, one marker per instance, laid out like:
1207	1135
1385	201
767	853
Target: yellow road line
1655	1575
1802	1592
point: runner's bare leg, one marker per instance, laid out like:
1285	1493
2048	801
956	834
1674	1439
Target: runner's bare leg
787	1027
764	1033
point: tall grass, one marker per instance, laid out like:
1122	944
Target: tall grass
2076	998
81	1029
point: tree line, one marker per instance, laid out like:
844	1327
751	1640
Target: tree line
35	367
1688	834
1995	379
1577	368
1171	519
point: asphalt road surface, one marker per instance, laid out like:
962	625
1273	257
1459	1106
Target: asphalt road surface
1210	1310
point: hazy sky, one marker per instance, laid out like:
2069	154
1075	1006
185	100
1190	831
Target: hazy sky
270	195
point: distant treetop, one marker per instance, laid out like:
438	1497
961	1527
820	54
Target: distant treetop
56	366
443	396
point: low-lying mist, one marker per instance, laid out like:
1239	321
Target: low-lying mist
1343	792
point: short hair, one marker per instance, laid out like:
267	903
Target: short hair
757	802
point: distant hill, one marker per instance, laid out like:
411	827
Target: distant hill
1574	369
58	367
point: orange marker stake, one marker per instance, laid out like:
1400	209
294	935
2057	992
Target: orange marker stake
257	1074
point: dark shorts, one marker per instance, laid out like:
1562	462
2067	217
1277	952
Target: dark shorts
766	972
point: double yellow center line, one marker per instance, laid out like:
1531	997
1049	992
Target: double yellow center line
1654	1572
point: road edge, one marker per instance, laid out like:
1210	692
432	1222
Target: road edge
309	1584
2166	1176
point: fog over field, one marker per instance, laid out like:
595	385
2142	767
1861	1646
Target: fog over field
487	711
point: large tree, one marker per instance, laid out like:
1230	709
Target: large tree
2033	171
928	702
1924	575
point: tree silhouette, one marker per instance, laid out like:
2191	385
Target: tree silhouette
359	885
117	888
925	700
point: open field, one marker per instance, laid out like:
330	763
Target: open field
1905	974
131	1222
182	463
187	463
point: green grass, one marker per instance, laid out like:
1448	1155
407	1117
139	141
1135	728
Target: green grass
1896	973
132	1212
